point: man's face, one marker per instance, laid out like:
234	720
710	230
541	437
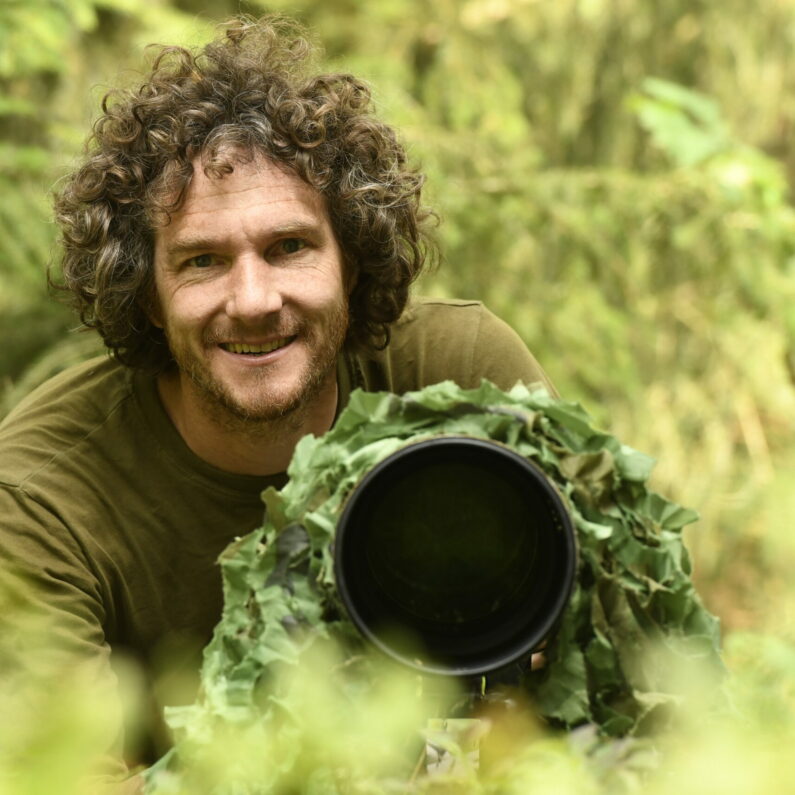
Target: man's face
251	293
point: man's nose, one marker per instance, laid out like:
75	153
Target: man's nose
254	289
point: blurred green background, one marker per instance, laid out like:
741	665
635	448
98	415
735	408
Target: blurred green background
614	178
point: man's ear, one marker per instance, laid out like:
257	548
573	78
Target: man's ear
155	317
350	275
150	305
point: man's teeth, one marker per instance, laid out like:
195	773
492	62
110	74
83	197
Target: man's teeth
234	347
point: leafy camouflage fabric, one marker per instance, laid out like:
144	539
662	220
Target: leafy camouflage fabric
632	618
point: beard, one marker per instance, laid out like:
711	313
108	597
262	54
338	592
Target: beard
263	405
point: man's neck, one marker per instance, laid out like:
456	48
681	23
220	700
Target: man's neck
257	448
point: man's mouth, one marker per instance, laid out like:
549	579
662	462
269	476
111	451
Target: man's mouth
254	350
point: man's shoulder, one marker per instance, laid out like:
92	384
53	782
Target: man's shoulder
87	388
60	414
440	322
438	339
421	310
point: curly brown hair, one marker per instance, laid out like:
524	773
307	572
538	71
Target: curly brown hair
248	91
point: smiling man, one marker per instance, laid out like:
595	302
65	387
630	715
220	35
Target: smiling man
242	233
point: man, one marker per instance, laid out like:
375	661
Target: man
242	234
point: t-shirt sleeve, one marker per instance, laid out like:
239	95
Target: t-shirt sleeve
460	341
52	641
500	355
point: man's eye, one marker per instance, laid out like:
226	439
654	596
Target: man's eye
202	261
292	245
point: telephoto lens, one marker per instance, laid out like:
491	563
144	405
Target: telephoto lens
455	555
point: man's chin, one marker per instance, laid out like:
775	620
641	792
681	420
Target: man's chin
266	404
254	412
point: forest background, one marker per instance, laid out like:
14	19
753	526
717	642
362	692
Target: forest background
614	179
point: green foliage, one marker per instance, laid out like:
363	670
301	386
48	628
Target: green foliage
688	126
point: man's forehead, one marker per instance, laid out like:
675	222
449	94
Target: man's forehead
243	182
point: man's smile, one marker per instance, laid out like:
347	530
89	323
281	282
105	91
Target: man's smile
254	349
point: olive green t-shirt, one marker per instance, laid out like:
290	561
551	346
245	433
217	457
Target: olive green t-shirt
104	506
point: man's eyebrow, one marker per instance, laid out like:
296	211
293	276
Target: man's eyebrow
295	228
185	245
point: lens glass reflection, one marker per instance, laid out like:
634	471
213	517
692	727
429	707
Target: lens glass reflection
450	542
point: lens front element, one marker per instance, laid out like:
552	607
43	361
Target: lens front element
455	555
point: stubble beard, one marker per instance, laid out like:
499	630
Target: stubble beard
267	414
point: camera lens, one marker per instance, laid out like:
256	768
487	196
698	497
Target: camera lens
455	555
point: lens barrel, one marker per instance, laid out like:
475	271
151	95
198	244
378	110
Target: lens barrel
455	555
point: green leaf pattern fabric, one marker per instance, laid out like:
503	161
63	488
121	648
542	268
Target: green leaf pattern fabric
633	616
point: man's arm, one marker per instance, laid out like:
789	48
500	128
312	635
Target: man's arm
52	644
